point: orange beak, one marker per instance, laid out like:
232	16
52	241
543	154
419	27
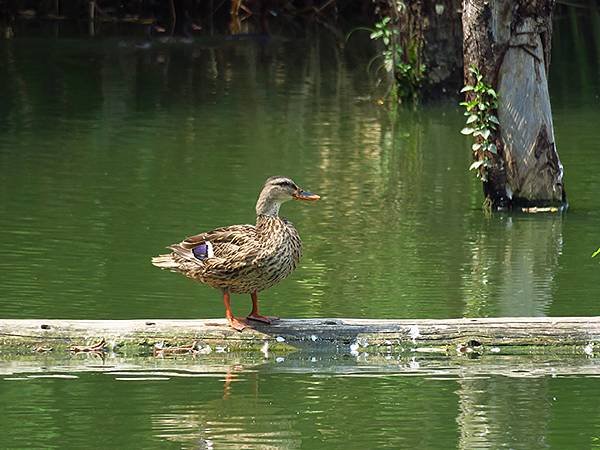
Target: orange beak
306	196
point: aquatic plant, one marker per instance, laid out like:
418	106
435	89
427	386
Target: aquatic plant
482	123
402	41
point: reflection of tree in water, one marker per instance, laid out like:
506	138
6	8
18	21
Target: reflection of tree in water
503	412
514	260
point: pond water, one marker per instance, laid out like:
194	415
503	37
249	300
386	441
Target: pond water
108	153
268	408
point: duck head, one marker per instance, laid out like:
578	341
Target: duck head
278	190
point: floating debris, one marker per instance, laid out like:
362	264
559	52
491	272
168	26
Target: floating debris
313	338
98	347
589	349
280	339
280	359
538	209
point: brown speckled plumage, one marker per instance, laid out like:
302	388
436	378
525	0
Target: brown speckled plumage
247	258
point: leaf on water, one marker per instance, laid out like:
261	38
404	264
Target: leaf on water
476	165
467	130
597	252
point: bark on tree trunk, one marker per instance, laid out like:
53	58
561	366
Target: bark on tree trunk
509	42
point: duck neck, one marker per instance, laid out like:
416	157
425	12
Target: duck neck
265	223
267	206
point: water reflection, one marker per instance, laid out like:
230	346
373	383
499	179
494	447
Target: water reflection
514	260
318	401
118	152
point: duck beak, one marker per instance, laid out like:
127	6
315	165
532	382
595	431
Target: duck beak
306	196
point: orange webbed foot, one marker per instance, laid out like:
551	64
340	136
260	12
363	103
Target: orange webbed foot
236	324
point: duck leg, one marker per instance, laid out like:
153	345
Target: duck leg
234	323
255	315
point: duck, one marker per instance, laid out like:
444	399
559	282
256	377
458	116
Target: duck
244	259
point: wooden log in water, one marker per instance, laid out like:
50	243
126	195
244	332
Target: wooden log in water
524	335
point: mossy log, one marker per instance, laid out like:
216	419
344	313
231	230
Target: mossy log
525	335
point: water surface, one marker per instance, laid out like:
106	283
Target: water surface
109	153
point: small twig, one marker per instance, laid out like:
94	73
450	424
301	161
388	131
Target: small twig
42	349
95	348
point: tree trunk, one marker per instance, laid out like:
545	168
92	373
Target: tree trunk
509	42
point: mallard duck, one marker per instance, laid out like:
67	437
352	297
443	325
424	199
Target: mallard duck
244	259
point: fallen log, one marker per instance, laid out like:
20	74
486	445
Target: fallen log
137	337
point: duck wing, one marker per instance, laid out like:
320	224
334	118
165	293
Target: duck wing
225	243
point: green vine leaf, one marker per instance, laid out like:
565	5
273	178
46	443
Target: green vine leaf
476	165
480	110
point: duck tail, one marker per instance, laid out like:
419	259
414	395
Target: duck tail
165	262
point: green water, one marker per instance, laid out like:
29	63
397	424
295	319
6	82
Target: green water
109	153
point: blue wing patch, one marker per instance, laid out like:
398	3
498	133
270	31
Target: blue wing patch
203	251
